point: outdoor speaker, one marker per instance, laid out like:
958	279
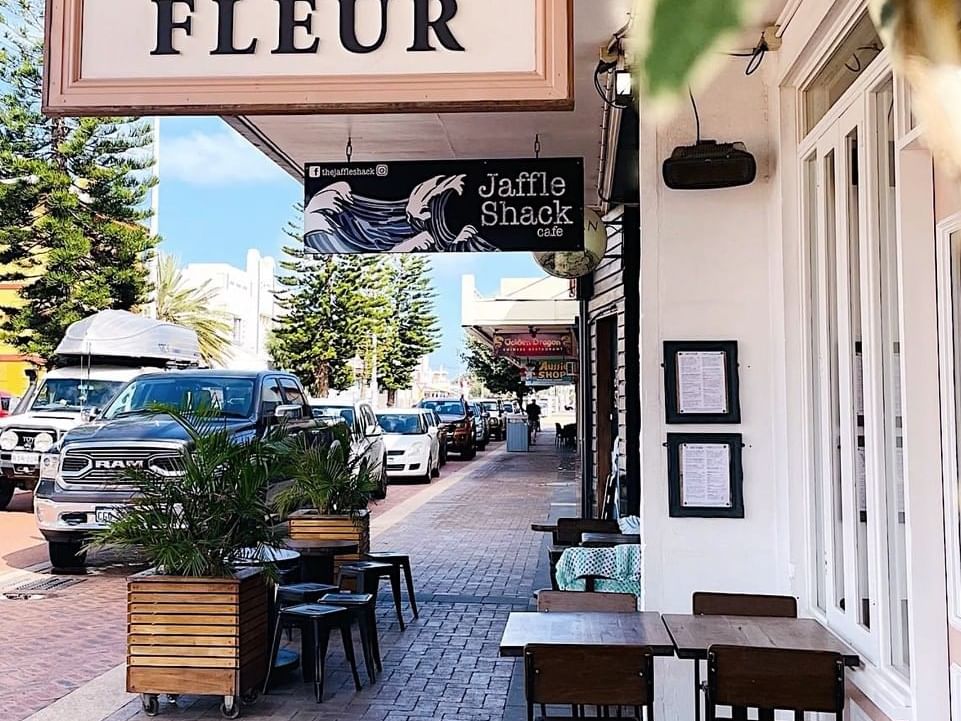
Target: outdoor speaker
709	165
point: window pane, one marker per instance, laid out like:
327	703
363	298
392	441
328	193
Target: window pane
891	378
821	455
852	194
829	198
855	53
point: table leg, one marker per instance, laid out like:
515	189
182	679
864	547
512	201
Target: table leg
697	689
317	569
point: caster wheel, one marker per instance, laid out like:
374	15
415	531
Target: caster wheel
150	704
251	697
230	707
173	698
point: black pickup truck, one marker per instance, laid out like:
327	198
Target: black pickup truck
82	482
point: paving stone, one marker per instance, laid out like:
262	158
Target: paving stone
474	561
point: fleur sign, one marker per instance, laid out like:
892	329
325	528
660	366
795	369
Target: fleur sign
234	57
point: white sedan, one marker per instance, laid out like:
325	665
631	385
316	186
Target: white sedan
413	446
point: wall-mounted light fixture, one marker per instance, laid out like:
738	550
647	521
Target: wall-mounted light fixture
623	84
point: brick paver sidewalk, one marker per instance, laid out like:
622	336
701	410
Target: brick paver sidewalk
475	560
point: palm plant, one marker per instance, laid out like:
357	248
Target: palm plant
191	306
194	522
324	479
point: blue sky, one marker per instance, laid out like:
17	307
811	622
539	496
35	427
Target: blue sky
220	196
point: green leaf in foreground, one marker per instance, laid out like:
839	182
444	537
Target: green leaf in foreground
677	40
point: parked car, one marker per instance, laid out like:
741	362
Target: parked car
481	429
103	352
367	438
82	483
435	422
495	420
413	446
455	414
8	402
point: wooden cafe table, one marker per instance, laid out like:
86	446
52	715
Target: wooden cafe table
694	635
587	629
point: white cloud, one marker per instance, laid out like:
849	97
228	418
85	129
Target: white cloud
218	158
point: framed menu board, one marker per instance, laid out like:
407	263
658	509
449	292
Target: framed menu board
705	474
701	382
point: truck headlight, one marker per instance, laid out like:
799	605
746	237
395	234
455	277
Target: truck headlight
9	440
49	466
43	442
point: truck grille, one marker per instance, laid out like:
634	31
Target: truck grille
28	435
105	467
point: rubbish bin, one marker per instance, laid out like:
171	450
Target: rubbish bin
517	439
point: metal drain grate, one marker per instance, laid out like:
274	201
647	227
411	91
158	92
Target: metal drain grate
50	583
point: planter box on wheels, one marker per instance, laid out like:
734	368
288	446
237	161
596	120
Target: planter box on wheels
197	636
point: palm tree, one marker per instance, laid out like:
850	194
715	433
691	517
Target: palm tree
191	306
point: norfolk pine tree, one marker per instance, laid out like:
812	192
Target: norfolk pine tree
72	195
498	375
414	329
331	307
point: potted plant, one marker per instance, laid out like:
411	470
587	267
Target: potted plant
198	620
328	495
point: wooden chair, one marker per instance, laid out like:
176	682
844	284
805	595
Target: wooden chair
773	679
736	604
743	604
569	530
585	601
606	677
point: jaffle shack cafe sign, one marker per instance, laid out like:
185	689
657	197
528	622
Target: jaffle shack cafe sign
230	57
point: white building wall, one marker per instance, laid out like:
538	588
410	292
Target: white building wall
710	272
248	297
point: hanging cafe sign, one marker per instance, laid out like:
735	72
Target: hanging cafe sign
530	345
445	206
550	372
234	57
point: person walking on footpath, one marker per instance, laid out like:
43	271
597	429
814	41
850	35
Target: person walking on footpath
533	420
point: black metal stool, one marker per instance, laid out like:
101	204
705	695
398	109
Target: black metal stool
363	610
367	575
316	622
402	560
303	593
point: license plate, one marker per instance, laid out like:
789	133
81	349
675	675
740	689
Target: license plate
25	459
106	515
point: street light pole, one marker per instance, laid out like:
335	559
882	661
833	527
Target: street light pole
373	375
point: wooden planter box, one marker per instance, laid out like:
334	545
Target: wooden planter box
311	526
197	636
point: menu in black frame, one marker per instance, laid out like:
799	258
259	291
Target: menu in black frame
705	475
701	382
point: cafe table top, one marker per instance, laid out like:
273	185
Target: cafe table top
587	629
544	527
323	547
693	635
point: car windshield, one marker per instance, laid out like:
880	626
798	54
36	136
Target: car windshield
402	424
334	412
225	397
490	406
74	394
445	408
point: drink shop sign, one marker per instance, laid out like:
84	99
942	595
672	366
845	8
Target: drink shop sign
445	206
235	57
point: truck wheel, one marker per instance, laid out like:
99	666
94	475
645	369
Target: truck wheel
6	494
66	554
470	453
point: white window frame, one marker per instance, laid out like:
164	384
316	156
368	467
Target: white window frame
950	423
854	108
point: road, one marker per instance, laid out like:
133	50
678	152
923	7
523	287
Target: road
67	635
